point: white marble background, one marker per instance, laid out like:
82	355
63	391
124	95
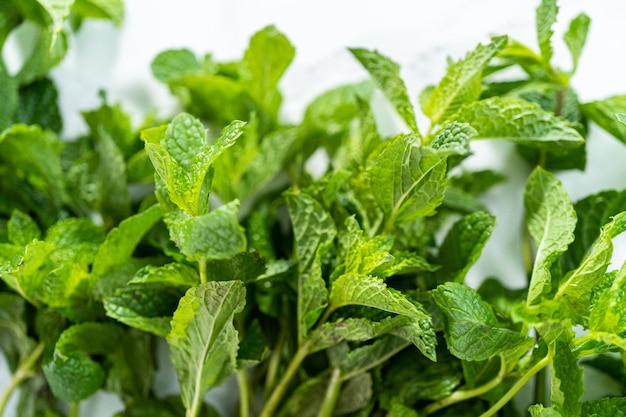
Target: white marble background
416	33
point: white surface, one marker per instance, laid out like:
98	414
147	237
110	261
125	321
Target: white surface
417	34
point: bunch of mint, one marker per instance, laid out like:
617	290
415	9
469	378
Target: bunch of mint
329	295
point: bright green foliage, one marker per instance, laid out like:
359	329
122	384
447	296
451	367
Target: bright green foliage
203	341
333	294
546	17
182	158
463	245
603	113
71	372
462	82
407	181
386	74
520	122
567	382
471	328
576	36
551	220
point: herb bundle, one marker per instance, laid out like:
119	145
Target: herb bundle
323	296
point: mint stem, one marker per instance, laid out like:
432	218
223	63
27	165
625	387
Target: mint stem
244	392
281	388
23	372
462	395
74	409
202	270
517	386
332	393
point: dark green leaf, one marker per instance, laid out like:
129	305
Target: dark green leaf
38	105
463	245
603	113
470	326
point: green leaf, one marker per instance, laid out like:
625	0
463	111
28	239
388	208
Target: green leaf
50	47
593	212
111	121
172	275
203	341
314	230
364	290
144	307
22	229
38	105
182	158
454	139
577	285
605	407
567	381
33	154
367	255
351	329
254	346
519	121
470	326
368	356
576	36
215	235
386	74
132	367
551	221
463	245
603	113
264	63
462	82
72	374
407	181
112	10
121	241
545	18
14	341
608	314
538	410
173	63
9	96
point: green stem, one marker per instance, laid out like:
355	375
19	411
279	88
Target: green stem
244	393
74	409
274	363
332	393
202	270
517	386
462	395
281	388
23	372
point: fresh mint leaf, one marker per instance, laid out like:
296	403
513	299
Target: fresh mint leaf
407	181
454	139
173	63
471	327
203	341
264	63
607	314
545	18
520	122
462	82
567	381
603	113
38	105
314	231
175	275
593	212
463	245
551	221
576	36
605	407
386	74
121	241
215	235
538	410
22	229
576	286
14	341
182	158
112	10
132	367
111	121
71	372
365	290
9	96
368	356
